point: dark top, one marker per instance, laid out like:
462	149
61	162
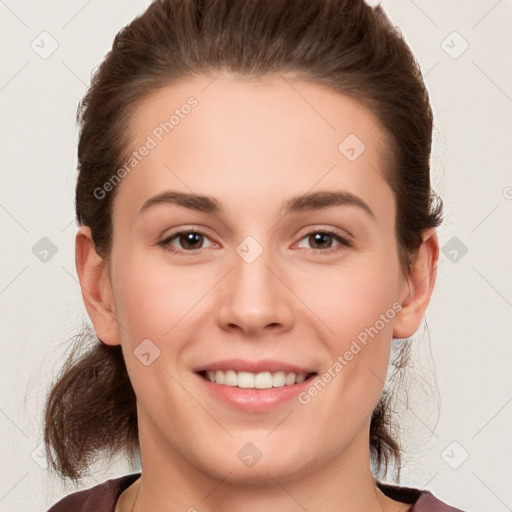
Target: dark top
103	497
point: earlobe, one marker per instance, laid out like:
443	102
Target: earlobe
418	287
94	278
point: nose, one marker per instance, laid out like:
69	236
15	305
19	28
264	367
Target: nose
254	298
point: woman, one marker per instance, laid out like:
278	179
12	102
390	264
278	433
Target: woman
257	229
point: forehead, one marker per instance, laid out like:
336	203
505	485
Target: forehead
273	136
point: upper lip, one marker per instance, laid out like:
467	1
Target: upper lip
264	365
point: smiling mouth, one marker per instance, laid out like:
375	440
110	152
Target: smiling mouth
260	380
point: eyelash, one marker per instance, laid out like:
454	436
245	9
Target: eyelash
166	243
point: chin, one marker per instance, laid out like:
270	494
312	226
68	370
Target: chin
265	468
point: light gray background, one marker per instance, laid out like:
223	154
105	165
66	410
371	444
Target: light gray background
469	319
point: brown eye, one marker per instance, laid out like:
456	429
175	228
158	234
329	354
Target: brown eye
190	240
186	242
324	241
320	240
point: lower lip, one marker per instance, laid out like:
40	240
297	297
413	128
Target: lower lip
255	400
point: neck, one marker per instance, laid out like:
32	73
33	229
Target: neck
170	482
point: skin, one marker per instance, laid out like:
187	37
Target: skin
252	145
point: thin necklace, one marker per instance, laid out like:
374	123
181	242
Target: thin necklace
138	489
136	496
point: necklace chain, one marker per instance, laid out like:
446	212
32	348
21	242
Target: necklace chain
138	489
135	500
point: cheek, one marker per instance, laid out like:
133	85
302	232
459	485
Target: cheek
354	298
151	301
151	298
358	304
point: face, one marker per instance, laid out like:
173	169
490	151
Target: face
284	269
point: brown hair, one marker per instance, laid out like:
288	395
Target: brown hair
343	44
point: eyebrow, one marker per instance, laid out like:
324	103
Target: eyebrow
200	203
326	199
306	202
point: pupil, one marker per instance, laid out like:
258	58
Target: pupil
321	238
190	239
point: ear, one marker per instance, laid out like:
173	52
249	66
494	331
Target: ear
418	286
94	277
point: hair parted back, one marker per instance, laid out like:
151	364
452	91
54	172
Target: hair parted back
343	44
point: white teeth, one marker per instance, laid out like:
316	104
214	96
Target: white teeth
230	378
262	380
245	380
290	379
300	378
278	379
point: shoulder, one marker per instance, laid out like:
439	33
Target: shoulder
100	498
421	500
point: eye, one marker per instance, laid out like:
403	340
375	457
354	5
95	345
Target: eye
186	241
192	241
325	241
